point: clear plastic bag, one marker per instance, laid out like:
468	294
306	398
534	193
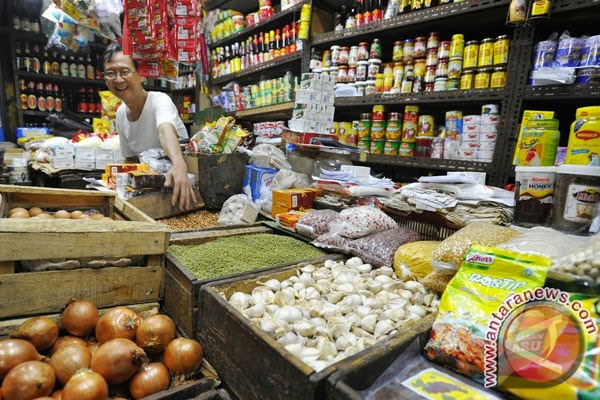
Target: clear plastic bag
581	263
361	221
266	155
239	209
157	160
543	241
333	242
413	260
288	179
315	223
379	248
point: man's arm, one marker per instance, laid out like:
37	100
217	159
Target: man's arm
183	193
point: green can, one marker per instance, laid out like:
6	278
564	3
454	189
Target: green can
391	147
406	149
364	145
364	129
378	130
377	146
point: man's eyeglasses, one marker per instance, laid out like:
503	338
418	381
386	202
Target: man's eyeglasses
124	73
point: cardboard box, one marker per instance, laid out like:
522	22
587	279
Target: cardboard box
256	179
292	199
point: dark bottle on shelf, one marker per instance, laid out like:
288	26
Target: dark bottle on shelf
360	13
81	70
23	96
18	56
293	32
367	14
377	12
64	65
261	49
55	61
267	44
99	67
90	72
41	97
31	96
272	45
58	99
72	66
36	64
286	39
49	97
46	63
27	59
278	46
91	101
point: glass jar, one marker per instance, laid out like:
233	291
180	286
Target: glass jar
330	160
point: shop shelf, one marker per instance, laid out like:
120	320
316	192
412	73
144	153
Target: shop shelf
33	113
282	110
422	162
270	22
559	6
27	36
183	90
563	92
429	15
243	6
278	62
60	79
474	95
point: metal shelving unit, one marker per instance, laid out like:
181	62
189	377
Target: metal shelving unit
421	162
247	74
60	79
475	95
43	114
276	111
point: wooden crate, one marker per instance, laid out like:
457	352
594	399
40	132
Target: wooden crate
182	288
256	366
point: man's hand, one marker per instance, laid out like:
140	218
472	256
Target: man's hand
183	193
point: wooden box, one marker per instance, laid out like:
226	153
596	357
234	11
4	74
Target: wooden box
182	288
255	365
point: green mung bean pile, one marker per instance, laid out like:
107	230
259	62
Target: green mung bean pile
241	253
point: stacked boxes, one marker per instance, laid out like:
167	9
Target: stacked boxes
314	109
292	199
478	139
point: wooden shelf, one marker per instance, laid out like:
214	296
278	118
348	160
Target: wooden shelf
280	111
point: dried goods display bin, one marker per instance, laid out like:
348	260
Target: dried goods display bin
182	288
255	365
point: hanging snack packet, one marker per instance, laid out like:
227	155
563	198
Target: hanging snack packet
485	279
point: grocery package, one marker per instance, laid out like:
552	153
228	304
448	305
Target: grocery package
316	222
459	332
580	263
238	210
414	259
543	241
217	137
584	137
378	249
361	221
450	253
333	242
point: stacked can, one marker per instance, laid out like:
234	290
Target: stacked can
484	63
409	131
424	136
393	134
378	127
346	132
363	132
478	140
454	130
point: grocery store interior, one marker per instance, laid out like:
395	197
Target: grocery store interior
297	199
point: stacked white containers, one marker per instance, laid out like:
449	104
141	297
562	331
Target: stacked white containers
478	140
313	108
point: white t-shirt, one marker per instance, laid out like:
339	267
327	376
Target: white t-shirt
141	135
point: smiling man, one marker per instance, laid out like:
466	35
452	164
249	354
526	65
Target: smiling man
147	120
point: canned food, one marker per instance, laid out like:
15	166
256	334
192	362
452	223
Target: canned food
364	129
376	50
482	78
373	69
444	50
364	144
397	52
326	61
342	75
457	45
378	130
361	87
344	54
406	149
353	56
351	74
501	46
470	55
408	50
453	84
370	88
455	66
377	146
409	131
466	80
442	69
498	78
378	112
335	56
440	84
361	70
391	147
363	51
433	41
411	113
486	53
419	67
420	47
388	82
432	58
430	75
426	124
393	130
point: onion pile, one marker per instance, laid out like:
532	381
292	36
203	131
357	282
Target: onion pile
37	363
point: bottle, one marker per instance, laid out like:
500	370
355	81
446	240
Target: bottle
16	21
517	12
36	64
91	101
90	73
31	96
46	63
407	82
23	96
49	97
41	97
367	15
58	105
271	45
226	59
72	66
99	66
278	44
350	20
286	40
55	64
64	65
266	45
82	104
27	59
18	56
293	38
392	9
377	13
360	13
261	49
81	69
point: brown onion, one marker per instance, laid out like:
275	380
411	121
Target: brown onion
57	394
15	351
68	360
118	360
80	317
66	340
151	378
183	356
28	380
119	322
93	347
41	331
86	385
154	333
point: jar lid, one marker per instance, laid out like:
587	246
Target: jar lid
456	59
472	42
363	44
408	40
434	33
335	47
457	36
487	40
345	48
397	42
374	61
371	82
353	47
502	37
365	116
362	62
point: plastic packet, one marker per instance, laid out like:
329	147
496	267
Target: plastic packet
316	222
583	262
450	253
157	160
361	221
333	242
568	53
543	241
266	155
413	260
288	179
485	279
379	248
239	209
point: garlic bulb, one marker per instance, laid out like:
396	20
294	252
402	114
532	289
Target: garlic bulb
240	300
273	284
354	262
262	295
304	328
288	313
256	311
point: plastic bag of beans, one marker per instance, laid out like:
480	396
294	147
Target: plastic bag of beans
361	221
315	223
333	242
379	248
581	263
414	259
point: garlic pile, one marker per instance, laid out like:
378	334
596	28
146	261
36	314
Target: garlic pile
325	314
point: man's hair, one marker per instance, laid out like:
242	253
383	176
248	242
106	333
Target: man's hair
110	52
